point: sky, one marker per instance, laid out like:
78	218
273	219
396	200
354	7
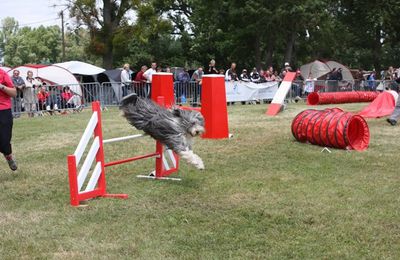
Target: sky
33	13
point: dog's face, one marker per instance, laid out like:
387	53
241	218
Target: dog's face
192	121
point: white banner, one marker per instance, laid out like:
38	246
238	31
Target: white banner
248	91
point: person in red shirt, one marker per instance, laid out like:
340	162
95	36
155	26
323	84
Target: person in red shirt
66	95
42	96
7	91
140	82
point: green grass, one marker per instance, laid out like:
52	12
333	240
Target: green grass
262	195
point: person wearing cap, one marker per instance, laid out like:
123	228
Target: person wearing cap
244	76
287	67
7	91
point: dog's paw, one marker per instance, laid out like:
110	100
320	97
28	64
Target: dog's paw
198	162
200	166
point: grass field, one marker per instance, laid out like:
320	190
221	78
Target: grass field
262	195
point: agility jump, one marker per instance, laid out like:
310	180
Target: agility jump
216	125
96	185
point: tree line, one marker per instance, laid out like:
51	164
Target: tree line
253	33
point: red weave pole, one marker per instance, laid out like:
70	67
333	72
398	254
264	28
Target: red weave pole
131	159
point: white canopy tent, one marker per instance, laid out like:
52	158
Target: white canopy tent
6	69
52	74
81	68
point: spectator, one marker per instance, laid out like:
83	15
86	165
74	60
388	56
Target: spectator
197	77
358	79
66	95
297	85
125	79
262	76
309	86
168	69
339	74
271	74
277	78
244	77
28	92
54	100
182	85
42	97
7	91
391	77
158	69
148	74
332	78
140	82
255	76
287	67
211	68
19	84
371	81
139	76
390	74
221	72
230	74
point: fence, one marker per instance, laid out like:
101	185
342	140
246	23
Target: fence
111	93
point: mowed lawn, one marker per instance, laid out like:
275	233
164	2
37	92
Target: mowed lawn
262	195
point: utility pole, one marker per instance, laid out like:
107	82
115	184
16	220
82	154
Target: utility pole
62	36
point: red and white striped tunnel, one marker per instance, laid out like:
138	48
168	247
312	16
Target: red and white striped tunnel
331	128
316	98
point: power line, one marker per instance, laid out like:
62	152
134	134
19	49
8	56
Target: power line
27	24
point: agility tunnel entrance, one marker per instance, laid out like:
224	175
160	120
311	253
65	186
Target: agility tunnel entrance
331	128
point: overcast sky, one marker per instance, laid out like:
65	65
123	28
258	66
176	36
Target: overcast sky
32	12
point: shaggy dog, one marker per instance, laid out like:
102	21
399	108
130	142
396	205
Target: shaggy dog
174	128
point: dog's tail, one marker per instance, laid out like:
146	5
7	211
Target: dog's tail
130	99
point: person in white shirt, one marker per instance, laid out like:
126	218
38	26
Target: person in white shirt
28	92
148	74
125	79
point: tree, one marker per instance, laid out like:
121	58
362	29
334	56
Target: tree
33	45
9	27
103	20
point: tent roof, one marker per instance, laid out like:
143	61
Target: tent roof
81	68
113	75
6	69
318	69
53	74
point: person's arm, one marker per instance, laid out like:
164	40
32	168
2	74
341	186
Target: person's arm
12	92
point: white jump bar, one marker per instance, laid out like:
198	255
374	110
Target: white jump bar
119	139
